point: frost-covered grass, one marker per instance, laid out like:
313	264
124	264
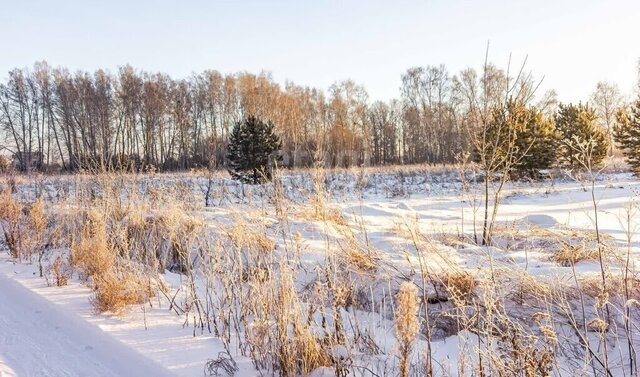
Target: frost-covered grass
301	276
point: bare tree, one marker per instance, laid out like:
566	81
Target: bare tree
606	100
136	119
489	117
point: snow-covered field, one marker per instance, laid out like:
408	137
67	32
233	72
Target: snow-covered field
347	242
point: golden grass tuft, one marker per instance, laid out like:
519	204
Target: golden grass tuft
241	236
592	286
569	255
458	284
37	216
406	322
362	260
10	219
114	292
326	214
92	255
531	289
598	325
115	287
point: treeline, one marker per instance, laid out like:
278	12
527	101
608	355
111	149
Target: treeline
142	120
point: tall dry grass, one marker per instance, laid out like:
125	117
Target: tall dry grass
247	277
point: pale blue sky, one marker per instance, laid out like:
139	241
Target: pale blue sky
573	43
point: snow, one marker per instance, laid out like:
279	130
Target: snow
39	338
544	221
53	330
155	335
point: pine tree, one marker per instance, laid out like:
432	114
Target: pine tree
536	140
627	134
521	137
252	147
582	143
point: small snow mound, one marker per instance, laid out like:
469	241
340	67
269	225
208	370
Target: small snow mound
322	372
340	352
403	206
5	371
544	221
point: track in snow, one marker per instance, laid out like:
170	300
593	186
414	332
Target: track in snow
37	338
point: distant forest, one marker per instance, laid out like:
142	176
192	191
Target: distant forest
53	118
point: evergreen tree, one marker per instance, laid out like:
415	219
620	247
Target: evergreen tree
520	139
627	134
582	142
252	147
537	140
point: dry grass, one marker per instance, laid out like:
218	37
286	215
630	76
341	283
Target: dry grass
458	284
5	164
61	272
38	219
114	292
322	213
569	255
243	237
531	289
93	254
455	241
291	316
24	227
360	260
11	222
354	254
278	335
591	286
567	246
100	253
407	323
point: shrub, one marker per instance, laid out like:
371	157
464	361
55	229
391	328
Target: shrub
92	255
24	227
40	237
10	220
114	291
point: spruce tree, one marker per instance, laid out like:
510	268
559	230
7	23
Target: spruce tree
627	134
252	148
582	142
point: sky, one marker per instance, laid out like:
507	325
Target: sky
572	44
